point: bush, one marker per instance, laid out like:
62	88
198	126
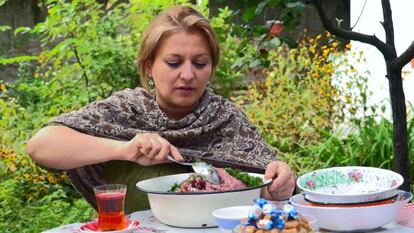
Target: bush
299	98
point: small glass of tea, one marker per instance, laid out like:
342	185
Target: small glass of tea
110	199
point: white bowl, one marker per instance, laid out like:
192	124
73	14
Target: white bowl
352	217
192	210
349	184
229	217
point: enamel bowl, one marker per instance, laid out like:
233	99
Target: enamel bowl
192	210
342	185
353	217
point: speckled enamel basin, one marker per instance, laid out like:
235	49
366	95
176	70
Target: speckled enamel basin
353	217
349	184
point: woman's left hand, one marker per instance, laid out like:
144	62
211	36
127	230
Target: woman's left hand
283	183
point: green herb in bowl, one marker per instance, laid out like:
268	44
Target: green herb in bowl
244	177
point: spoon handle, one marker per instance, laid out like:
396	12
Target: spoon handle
169	157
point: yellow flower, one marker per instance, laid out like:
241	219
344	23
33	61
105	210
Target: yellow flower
2	87
36	75
52	180
348	99
26	176
42	58
318	37
328	34
348	46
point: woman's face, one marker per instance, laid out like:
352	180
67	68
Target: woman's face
181	70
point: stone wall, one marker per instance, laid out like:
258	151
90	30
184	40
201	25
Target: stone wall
18	13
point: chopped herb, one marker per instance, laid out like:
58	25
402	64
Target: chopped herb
244	177
175	187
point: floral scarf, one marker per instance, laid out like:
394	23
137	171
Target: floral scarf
216	132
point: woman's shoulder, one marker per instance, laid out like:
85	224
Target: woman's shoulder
232	111
226	104
133	93
134	96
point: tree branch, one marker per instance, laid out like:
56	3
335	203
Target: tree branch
399	62
350	35
388	25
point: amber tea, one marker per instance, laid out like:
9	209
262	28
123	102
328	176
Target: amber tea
110	200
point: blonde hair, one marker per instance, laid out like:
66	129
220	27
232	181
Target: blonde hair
175	19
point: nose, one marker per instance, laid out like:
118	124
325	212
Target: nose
187	72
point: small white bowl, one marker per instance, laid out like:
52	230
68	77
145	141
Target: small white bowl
192	210
346	185
353	217
229	217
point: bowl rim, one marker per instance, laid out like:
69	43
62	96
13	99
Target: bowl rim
217	215
265	183
400	180
402	196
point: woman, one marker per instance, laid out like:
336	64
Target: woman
127	137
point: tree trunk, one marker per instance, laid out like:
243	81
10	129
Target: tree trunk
399	116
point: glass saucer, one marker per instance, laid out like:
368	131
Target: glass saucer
93	227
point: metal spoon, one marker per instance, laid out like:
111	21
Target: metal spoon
202	169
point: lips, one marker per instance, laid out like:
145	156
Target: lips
185	88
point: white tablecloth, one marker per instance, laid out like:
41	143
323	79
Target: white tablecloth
148	223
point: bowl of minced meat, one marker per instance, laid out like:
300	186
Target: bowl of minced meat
188	200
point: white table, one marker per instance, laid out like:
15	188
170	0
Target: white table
148	223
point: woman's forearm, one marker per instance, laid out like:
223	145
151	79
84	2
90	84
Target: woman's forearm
60	147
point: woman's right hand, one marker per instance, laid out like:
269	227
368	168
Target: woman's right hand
149	149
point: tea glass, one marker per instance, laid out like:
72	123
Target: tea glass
110	199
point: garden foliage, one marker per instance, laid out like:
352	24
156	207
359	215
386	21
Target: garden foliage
88	52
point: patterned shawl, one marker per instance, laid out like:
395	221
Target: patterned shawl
216	132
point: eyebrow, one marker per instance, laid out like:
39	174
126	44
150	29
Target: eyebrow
179	55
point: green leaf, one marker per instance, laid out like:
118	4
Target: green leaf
273	3
17	59
260	7
238	63
275	42
23	30
4	28
289	41
255	63
297	4
249	14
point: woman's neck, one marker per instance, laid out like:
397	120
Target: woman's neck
175	112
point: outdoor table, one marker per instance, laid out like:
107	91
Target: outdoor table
148	223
